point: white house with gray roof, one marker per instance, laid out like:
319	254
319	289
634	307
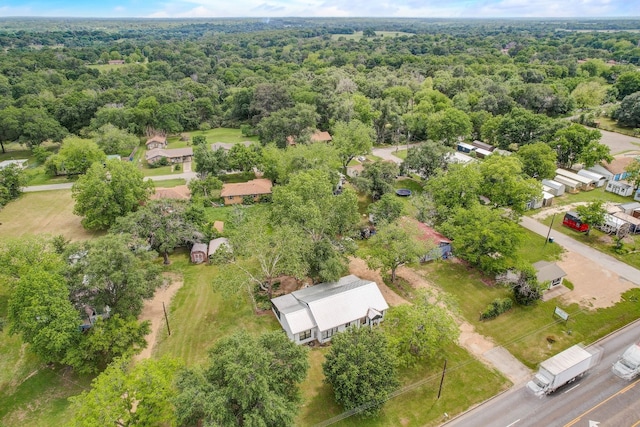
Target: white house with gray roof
321	311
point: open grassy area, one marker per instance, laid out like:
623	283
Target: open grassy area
229	135
45	212
601	241
533	249
611	125
358	35
415	403
402	154
597	194
524	330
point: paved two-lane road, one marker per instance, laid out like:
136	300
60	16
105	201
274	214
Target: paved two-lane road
600	397
187	176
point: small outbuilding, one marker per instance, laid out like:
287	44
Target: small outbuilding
570	185
585	182
620	188
634	223
156	141
463	147
600	170
612	224
442	244
483	145
598	179
549	272
482	153
637	195
630	208
217	244
554	187
199	253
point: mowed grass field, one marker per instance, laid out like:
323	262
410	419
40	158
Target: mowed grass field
45	212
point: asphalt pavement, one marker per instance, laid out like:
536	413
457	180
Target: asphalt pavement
187	176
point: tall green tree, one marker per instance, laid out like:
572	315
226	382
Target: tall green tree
504	184
125	395
426	159
361	369
394	245
419	330
308	201
572	141
116	271
387	209
538	160
628	113
210	162
108	192
247	381
105	341
39	310
448	125
592	213
484	237
352	139
163	224
74	157
459	186
12	179
113	140
377	178
633	170
296	123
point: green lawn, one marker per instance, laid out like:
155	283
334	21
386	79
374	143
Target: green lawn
611	125
358	35
170	183
44	212
415	403
597	194
524	330
229	135
200	315
533	248
402	154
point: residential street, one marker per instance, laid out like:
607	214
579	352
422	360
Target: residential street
386	153
605	261
187	176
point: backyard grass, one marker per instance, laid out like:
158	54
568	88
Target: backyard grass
229	135
45	212
200	314
611	125
402	154
601	241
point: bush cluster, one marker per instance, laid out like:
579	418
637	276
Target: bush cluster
496	308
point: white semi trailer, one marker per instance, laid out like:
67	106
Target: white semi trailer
563	368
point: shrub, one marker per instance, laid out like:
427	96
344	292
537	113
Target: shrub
248	200
199	140
496	308
162	162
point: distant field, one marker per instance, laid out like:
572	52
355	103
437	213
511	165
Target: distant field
358	35
109	67
46	212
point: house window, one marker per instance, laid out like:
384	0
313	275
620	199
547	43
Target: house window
329	333
275	309
346	325
363	321
555	282
230	197
304	335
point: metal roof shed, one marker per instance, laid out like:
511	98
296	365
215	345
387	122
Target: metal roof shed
569	185
598	179
557	188
583	180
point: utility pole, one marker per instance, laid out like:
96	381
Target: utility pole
549	233
166	318
444	369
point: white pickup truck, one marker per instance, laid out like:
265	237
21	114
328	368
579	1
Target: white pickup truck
627	366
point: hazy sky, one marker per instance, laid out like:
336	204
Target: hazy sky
322	8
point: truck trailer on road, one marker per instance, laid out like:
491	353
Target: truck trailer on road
563	368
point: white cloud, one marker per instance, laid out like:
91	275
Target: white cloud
397	8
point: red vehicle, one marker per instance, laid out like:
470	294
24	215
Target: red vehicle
572	220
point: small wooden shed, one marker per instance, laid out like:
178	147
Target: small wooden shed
199	253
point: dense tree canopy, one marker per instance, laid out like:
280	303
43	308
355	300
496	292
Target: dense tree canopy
247	381
108	192
361	370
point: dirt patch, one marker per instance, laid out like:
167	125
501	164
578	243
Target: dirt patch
594	286
153	312
358	266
